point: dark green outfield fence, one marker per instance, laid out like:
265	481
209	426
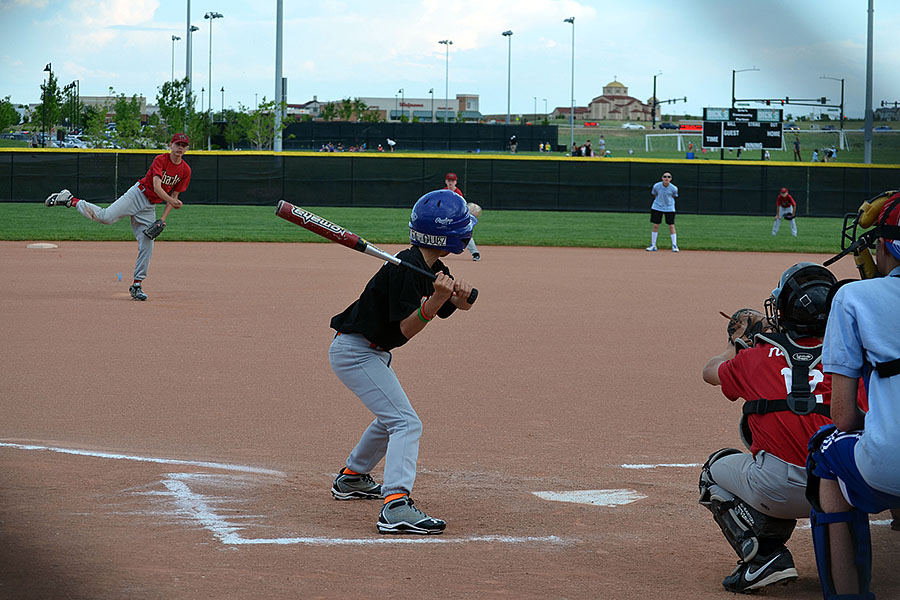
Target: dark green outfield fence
520	183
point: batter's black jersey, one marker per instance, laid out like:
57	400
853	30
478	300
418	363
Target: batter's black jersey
390	296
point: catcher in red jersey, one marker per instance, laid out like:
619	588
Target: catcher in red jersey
756	498
168	176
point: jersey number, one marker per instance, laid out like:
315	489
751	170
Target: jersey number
815	378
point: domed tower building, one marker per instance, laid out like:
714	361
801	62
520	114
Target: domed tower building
615	104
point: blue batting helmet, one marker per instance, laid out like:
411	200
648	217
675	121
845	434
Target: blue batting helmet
441	220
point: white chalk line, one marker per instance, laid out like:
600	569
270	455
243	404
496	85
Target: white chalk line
198	507
162	461
663	465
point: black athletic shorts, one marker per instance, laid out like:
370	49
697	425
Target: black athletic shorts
656	216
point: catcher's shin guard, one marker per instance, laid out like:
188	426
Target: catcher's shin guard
821	522
742	525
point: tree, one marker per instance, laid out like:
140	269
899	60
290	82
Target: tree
345	109
94	119
359	108
236	123
128	118
47	112
260	130
175	107
370	116
8	114
329	112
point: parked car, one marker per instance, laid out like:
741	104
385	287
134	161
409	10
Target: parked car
632	126
829	128
791	127
882	128
667	125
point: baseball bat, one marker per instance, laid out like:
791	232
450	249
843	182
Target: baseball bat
336	233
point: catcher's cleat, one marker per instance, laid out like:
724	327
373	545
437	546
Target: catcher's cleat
61	198
651	248
761	571
137	292
351	487
402	516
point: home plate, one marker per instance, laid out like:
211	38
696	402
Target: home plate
42	246
593	497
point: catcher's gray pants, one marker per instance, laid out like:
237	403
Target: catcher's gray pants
394	434
134	204
767	483
783	210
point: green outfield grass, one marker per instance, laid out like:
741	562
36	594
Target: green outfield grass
35	222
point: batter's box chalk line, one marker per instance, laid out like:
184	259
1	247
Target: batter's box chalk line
202	509
663	465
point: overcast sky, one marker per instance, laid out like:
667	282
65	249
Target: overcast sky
336	49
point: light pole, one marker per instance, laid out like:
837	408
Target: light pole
174	39
402	110
733	71
572	95
508	35
223	101
189	68
655	102
202	90
447	43
431	91
535	109
842	96
49	69
212	16
546	116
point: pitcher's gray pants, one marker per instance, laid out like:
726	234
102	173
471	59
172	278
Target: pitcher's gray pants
394	434
134	204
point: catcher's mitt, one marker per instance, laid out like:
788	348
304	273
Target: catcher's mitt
155	229
743	326
789	216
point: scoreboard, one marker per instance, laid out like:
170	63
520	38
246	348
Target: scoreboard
742	128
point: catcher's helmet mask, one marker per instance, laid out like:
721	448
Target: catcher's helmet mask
441	220
800	303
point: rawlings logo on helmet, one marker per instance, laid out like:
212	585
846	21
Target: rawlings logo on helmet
443	220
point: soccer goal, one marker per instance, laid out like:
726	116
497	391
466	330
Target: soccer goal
672	141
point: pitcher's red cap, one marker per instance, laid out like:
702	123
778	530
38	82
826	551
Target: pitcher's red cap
783	191
450	176
180	138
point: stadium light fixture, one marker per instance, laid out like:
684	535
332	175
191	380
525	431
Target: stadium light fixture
212	16
447	44
572	94
508	35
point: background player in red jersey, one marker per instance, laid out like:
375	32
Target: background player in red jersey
168	175
756	498
450	180
786	208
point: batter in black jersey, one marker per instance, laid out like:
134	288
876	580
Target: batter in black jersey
395	305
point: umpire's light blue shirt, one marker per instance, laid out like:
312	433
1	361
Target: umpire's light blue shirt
664	197
864	328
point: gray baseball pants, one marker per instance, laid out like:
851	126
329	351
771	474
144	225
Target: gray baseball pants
767	483
395	432
134	204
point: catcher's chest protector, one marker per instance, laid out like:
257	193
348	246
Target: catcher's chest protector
800	399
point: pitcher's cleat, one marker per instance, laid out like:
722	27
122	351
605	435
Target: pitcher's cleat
137	292
61	198
352	487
